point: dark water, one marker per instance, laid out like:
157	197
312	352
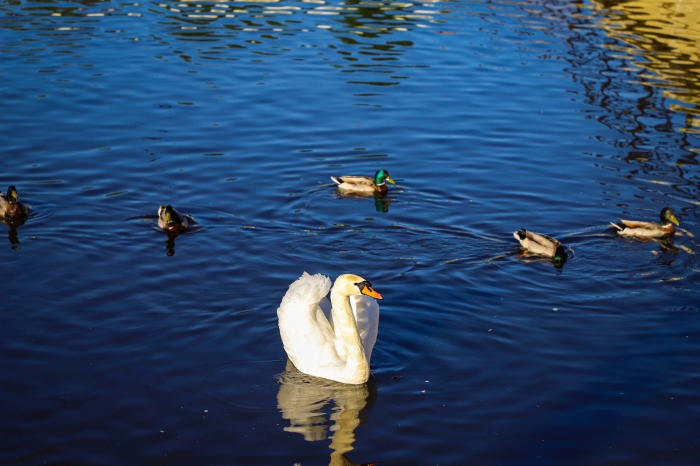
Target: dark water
120	345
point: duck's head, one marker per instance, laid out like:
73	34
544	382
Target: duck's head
668	217
381	176
352	285
12	195
560	256
166	213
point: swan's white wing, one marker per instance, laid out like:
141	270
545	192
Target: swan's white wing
306	333
307	289
366	311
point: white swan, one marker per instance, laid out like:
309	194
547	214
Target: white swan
334	342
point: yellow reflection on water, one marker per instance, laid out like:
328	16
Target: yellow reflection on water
665	34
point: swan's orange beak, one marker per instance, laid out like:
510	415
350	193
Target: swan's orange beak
370	292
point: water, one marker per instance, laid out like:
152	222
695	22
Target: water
121	345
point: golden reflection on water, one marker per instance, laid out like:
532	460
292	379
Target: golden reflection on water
665	36
302	400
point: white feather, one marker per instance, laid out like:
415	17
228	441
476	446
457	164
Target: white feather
307	328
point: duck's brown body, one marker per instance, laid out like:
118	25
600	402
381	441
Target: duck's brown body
648	229
359	184
364	184
644	229
170	219
10	206
543	245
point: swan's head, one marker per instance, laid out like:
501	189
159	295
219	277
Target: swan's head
351	285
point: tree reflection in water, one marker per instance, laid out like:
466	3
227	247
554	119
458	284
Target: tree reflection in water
302	399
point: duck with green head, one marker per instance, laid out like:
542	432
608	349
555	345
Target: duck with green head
543	245
364	184
648	229
170	219
10	206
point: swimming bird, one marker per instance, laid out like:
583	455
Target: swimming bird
542	245
330	340
364	184
171	220
10	206
648	229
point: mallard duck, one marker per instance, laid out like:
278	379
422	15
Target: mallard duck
542	245
364	184
10	207
648	229
330	340
171	220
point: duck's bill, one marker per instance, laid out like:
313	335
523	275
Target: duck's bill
388	178
371	293
674	219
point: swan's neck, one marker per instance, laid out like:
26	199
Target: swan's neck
357	366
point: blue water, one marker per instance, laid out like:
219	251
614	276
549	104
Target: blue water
122	345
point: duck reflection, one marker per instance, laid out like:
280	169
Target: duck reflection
13	224
302	399
382	201
669	252
170	243
527	257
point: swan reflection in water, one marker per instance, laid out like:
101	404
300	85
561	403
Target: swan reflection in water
303	400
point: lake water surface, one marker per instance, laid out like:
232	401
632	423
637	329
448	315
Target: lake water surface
122	345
